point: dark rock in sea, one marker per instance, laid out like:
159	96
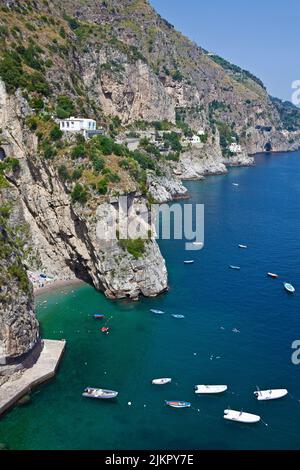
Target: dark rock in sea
24	400
3	446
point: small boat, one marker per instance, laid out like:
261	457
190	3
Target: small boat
157	312
264	395
191	261
178	404
235	330
198	243
234	267
242	246
161	381
175	315
241	416
99	316
105	329
273	275
235	184
207	389
99	393
289	288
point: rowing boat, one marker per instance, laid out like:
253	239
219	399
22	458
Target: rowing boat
273	275
178	404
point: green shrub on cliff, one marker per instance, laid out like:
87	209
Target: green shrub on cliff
65	107
12	241
11	70
16	270
102	187
63	173
79	194
136	247
56	133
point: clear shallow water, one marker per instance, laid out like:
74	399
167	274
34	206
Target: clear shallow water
264	213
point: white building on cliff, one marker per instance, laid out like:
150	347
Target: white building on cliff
87	127
235	148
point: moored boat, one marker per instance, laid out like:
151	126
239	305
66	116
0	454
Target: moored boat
99	316
242	246
234	267
189	261
175	315
273	275
99	393
207	389
178	404
265	395
235	184
105	329
157	312
289	288
241	416
198	243
162	381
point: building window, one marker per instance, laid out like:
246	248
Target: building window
68	124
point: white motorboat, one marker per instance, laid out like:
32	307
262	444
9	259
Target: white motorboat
289	288
206	389
241	416
189	261
242	246
235	184
163	381
264	395
198	243
99	393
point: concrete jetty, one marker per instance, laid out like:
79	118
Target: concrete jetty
42	370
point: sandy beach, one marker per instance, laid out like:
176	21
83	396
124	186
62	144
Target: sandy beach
52	286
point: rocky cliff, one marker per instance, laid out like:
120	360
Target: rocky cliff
19	331
121	64
63	234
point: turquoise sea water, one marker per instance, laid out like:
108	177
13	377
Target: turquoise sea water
264	213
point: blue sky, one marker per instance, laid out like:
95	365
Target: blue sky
260	36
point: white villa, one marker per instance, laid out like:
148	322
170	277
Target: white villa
73	124
235	148
195	139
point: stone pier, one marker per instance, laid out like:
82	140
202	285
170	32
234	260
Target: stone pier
42	370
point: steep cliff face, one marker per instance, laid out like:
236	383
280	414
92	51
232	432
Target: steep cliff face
156	73
125	89
19	330
123	65
65	234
